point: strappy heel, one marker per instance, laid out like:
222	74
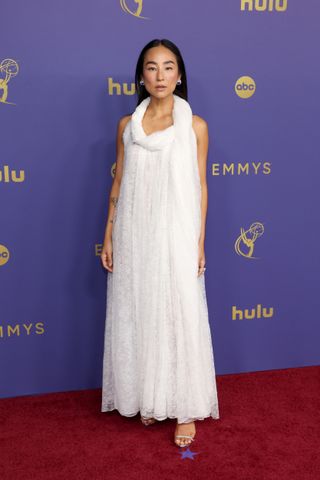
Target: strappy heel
189	436
184	436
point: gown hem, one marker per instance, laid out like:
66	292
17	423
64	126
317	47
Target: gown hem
160	418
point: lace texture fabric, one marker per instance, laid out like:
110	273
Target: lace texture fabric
158	356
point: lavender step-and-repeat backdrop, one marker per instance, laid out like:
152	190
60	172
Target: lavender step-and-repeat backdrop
66	77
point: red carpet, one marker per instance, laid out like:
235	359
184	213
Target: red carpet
269	429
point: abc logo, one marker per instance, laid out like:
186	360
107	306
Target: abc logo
245	87
4	255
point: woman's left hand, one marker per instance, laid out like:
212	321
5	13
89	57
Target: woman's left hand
202	260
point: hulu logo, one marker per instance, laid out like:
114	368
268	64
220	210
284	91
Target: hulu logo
8	175
115	88
264	5
252	313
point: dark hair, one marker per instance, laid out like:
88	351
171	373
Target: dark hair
180	90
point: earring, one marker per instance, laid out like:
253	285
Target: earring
141	82
179	82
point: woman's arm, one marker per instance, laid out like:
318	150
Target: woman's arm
114	193
106	255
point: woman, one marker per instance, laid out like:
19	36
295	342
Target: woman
158	356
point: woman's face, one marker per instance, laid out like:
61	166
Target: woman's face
160	68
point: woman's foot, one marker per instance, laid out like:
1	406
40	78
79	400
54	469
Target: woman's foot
188	429
147	421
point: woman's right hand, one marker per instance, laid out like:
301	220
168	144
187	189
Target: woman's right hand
106	255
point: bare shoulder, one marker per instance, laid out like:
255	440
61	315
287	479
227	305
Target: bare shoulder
200	127
123	122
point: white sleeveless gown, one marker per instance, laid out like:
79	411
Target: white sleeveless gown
158	355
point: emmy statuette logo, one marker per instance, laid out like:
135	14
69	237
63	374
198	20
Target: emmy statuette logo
8	69
135	12
245	243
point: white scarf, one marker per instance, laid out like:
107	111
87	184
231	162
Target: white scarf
184	197
184	180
